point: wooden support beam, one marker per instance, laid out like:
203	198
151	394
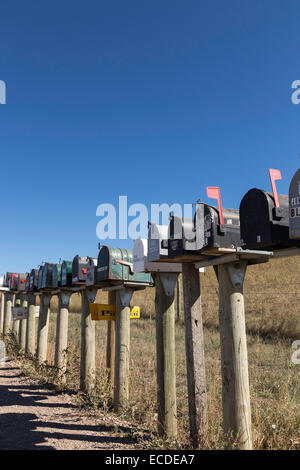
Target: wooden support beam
87	360
61	344
165	354
195	356
43	325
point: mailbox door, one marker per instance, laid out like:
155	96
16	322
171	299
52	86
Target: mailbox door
91	272
263	226
294	206
56	275
157	242
79	267
40	278
21	282
66	273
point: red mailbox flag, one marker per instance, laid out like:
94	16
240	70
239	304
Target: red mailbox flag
214	193
275	175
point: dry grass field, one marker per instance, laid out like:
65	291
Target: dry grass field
272	301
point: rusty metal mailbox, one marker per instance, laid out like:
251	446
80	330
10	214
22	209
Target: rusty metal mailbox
79	267
294	206
66	274
13	281
116	264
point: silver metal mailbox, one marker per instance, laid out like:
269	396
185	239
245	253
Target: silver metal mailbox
142	265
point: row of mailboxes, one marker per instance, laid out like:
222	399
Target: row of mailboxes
264	221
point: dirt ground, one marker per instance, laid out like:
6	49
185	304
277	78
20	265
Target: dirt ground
33	416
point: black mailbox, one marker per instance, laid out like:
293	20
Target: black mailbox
216	231
294	196
91	272
263	225
79	267
47	276
20	282
40	278
33	280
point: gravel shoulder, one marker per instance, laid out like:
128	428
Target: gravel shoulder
33	416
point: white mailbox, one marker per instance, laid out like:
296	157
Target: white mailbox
142	265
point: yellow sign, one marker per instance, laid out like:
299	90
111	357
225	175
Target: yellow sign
108	312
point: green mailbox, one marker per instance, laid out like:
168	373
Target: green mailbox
115	264
56	275
66	274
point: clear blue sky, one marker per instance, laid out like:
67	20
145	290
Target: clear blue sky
154	100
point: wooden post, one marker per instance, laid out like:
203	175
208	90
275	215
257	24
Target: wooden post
62	334
122	351
195	357
87	361
234	361
178	303
43	325
110	342
2	312
7	313
16	323
165	354
30	330
23	325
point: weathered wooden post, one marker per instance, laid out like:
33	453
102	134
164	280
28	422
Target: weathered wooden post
235	379
165	353
43	325
122	351
87	361
16	323
178	303
30	330
2	312
62	334
23	324
7	314
195	356
110	342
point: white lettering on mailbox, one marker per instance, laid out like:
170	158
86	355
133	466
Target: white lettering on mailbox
295	212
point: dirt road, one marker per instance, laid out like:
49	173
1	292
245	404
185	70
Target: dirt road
34	417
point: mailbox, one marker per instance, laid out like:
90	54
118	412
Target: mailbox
47	276
20	282
116	264
40	278
91	272
215	231
263	225
6	280
141	263
157	242
79	267
294	196
33	280
182	237
56	275
66	274
13	281
27	282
